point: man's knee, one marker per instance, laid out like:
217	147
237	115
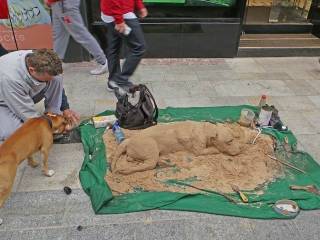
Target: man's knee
139	49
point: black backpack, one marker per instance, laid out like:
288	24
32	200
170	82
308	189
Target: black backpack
141	115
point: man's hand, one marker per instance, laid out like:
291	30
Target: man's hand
72	117
143	13
121	27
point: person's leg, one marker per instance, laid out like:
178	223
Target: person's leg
113	51
136	47
3	51
9	123
60	34
75	26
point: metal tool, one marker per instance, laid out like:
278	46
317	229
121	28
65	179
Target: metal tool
208	191
285	163
241	194
308	188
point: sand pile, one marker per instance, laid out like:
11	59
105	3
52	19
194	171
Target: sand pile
208	156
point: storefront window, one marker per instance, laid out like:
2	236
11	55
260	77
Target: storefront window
277	11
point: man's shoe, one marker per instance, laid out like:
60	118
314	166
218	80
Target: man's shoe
111	85
115	87
100	69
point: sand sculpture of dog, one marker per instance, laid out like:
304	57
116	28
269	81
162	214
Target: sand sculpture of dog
198	138
34	135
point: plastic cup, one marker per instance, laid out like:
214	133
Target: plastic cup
246	117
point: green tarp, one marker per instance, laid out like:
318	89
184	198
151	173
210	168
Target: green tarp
94	169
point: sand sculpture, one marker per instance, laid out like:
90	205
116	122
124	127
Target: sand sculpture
213	156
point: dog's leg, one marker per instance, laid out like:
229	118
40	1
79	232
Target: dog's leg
32	162
121	149
7	176
45	155
148	159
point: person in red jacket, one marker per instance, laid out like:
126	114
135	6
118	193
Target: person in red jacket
123	24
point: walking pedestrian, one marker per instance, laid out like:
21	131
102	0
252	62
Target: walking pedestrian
123	24
67	21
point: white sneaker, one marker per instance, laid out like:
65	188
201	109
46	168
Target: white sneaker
100	69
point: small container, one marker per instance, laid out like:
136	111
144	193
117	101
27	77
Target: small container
246	117
127	30
287	208
103	121
265	116
119	135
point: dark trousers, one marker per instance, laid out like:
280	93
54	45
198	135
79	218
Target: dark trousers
135	46
3	51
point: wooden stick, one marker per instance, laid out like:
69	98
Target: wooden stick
208	191
285	163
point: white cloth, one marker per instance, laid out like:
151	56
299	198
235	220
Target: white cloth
110	19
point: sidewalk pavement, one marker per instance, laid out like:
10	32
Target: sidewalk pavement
39	209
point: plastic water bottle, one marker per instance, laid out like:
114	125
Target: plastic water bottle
117	132
263	101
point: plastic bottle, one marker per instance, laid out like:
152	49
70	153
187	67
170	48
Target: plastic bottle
263	101
117	132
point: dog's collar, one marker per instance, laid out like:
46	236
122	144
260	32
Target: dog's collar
46	117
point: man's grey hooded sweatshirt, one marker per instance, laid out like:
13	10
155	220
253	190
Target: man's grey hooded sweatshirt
17	87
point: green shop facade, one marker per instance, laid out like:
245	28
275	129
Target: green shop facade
222	28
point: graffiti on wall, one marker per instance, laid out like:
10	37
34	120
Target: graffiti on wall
32	25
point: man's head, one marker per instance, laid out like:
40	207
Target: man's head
43	64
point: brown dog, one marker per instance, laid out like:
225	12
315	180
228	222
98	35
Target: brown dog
34	135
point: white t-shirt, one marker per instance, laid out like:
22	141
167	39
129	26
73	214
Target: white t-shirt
110	19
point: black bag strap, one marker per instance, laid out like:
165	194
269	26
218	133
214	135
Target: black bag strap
156	110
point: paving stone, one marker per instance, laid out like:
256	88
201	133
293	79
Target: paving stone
272	64
38	234
310	143
229	101
296	122
276	229
301	74
314	84
102	105
302	87
65	160
183	77
217	75
313	118
251	88
296	103
315	100
200	101
245	65
308	223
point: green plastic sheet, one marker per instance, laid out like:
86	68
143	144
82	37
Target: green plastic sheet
94	169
